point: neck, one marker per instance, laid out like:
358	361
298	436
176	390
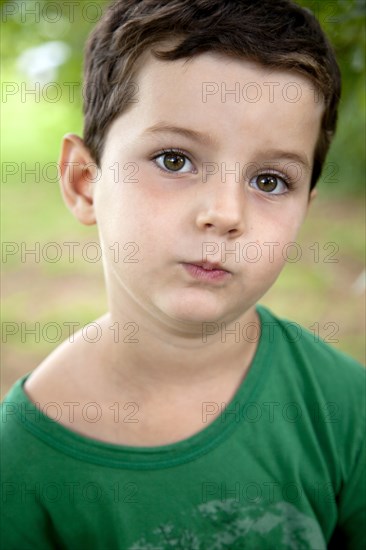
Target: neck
151	355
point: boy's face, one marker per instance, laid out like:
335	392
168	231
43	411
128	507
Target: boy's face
211	202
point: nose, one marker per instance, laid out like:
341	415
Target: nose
222	207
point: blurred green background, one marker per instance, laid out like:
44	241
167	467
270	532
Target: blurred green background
42	41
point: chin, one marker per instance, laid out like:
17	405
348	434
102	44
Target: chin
194	307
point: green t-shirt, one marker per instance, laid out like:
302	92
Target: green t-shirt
281	467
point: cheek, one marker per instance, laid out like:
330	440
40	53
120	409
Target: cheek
273	239
286	220
133	222
116	229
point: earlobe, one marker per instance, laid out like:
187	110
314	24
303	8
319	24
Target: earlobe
78	174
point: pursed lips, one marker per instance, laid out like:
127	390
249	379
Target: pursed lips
209	266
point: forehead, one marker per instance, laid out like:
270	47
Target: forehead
232	100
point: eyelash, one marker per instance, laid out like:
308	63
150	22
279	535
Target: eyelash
167	152
287	180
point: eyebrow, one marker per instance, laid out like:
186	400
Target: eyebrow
200	137
298	158
207	139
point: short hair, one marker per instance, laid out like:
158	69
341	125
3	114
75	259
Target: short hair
275	33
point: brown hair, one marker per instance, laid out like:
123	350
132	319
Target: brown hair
276	33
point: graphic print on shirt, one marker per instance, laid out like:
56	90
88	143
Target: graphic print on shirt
232	526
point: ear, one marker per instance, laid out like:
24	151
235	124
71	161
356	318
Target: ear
78	175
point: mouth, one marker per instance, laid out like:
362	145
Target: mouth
207	272
208	266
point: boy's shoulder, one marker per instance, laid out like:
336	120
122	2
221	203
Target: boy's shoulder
67	374
325	386
294	336
71	368
314	360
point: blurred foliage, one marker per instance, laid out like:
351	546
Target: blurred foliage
344	23
34	22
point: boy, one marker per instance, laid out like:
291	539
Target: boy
162	433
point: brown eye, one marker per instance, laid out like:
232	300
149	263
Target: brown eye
174	162
267	183
270	184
